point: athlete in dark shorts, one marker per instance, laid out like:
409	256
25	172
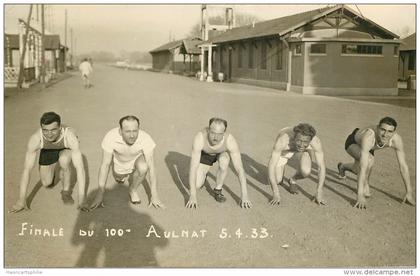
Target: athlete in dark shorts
57	144
208	159
214	144
361	144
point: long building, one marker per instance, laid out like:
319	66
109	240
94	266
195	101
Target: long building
328	51
180	56
407	65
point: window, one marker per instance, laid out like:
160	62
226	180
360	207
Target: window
251	56
395	50
412	60
279	56
298	49
361	49
240	55
263	55
318	49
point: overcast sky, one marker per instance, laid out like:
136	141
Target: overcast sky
144	27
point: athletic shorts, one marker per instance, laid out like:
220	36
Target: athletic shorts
208	159
351	140
49	156
127	167
283	159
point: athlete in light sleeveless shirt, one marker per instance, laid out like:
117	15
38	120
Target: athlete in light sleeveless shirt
56	143
302	143
361	145
210	145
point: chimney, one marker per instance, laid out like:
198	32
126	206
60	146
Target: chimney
229	18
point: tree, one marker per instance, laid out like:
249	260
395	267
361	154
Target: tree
404	31
98	56
241	19
139	57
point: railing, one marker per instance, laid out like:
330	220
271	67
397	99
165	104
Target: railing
11	74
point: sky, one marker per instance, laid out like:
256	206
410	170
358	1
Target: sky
143	27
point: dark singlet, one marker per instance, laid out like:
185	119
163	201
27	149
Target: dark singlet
50	151
351	139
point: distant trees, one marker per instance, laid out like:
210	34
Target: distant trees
139	57
241	19
104	56
99	56
404	31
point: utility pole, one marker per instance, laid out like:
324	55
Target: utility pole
75	45
42	46
71	47
22	56
65	40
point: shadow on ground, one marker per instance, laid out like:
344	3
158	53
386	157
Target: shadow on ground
118	234
56	180
179	167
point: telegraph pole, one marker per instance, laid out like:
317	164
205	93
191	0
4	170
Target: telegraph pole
71	47
23	53
65	40
42	46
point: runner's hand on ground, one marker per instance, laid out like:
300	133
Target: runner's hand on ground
361	203
84	207
155	202
275	200
192	202
19	206
319	199
98	201
409	199
246	203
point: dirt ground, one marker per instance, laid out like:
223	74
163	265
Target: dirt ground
172	109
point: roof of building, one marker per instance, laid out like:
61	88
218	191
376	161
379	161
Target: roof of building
168	46
189	44
52	42
409	43
284	25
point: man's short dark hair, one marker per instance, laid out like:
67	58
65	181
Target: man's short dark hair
50	117
389	121
305	130
129	118
218	120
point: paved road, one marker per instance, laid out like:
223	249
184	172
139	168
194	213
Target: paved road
172	109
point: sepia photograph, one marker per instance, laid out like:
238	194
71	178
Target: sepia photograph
210	135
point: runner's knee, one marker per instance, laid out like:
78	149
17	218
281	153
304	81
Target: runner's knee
224	162
305	171
64	160
46	180
142	168
371	160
